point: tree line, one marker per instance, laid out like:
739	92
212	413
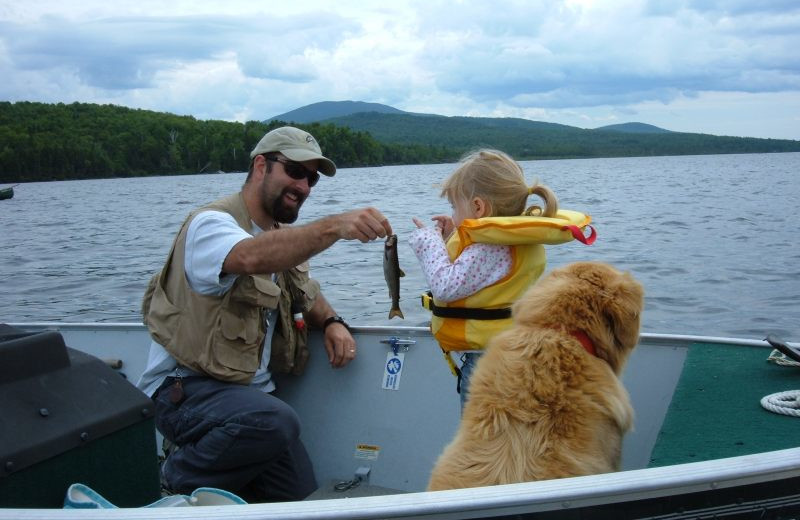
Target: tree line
525	139
43	142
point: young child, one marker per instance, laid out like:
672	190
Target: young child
480	260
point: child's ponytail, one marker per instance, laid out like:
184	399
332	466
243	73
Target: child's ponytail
550	202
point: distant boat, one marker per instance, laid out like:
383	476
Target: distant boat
6	193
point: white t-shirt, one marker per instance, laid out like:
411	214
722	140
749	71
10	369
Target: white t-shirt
209	239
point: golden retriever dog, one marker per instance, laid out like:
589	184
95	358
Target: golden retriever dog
545	400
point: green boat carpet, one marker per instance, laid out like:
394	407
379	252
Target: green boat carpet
716	411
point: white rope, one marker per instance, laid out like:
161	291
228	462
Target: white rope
786	403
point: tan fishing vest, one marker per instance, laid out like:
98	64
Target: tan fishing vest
223	336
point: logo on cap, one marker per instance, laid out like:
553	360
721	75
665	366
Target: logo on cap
309	139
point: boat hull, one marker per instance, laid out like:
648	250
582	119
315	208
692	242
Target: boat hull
353	423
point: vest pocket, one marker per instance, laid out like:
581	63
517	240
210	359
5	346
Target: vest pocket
256	290
237	325
306	288
240	340
236	351
310	290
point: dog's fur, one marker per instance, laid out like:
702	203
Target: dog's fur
540	406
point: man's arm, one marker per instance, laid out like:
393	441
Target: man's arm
281	249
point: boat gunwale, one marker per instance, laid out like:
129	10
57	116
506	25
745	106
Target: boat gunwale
550	495
649	337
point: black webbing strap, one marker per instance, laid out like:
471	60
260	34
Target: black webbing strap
464	313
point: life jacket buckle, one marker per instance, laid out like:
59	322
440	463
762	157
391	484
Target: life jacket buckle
427	300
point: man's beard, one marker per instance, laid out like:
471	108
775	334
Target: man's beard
280	211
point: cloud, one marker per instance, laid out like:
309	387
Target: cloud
601	55
560	61
129	52
286	47
115	53
719	8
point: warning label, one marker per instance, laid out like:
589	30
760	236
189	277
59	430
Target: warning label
367	451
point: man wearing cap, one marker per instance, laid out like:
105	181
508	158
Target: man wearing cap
228	309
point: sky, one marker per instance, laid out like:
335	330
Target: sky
722	67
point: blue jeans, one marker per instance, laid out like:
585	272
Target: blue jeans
468	361
235	438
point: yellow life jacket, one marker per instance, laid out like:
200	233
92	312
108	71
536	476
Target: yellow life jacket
468	323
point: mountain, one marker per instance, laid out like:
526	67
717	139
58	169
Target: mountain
634	128
342	110
330	109
522	138
526	139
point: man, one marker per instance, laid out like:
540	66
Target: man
228	308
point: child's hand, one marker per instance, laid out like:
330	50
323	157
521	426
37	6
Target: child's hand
444	223
418	222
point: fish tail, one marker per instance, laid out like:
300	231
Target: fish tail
396	312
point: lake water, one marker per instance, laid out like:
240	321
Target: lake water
710	237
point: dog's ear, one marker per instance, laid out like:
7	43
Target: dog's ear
623	305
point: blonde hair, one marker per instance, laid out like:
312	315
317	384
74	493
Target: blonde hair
496	178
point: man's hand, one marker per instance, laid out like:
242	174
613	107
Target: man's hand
340	345
280	249
363	224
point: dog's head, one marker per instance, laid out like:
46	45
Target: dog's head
593	297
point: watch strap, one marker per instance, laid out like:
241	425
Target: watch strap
334	319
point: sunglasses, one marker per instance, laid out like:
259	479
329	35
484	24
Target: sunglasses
297	171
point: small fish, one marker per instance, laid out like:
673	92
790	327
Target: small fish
392	273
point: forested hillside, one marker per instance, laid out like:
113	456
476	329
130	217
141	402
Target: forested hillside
40	142
525	139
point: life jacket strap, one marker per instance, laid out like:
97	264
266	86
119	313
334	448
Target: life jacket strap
578	235
464	313
453	368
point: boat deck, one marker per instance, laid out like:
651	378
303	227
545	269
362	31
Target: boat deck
719	391
329	490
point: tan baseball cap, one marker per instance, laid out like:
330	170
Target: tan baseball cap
298	145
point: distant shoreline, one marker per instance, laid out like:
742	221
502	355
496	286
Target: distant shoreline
19	183
50	142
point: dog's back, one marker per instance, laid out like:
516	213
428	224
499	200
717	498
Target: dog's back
541	405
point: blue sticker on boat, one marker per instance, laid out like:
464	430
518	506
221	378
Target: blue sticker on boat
393	369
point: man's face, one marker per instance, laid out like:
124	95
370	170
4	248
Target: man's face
282	195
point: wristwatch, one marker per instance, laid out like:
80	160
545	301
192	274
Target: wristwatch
334	319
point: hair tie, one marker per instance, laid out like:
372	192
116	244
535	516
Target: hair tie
530	190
